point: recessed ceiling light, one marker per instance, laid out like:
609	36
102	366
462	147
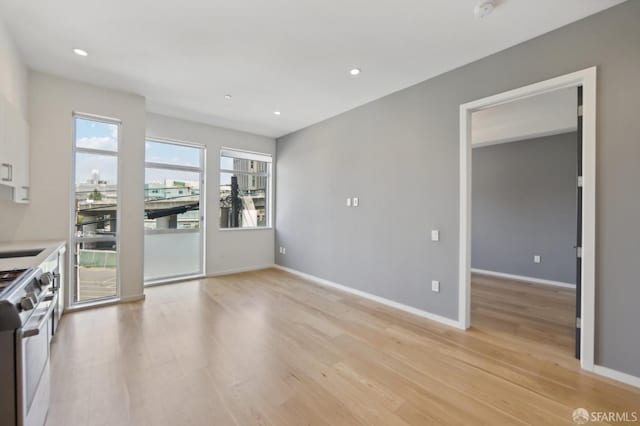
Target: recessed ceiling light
227	97
80	52
484	9
276	112
355	71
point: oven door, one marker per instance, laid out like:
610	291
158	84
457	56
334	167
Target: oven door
32	362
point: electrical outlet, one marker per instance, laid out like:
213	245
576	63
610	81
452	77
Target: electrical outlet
435	235
356	201
537	259
348	202
435	286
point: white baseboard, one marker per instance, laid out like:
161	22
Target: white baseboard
136	298
176	280
172	280
424	314
617	375
239	270
522	278
104	303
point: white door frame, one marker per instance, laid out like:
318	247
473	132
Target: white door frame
71	295
587	79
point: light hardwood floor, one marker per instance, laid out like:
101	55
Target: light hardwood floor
268	348
541	317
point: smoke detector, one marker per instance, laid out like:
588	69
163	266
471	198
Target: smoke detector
484	9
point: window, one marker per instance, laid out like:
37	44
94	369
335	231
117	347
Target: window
173	181
245	189
174	217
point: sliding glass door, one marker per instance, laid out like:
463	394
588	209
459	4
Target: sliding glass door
174	210
95	209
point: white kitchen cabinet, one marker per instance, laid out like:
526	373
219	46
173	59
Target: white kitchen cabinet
21	190
14	152
6	166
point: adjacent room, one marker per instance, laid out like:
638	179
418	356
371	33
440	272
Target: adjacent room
319	213
526	221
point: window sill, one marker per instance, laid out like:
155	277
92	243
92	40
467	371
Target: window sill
261	228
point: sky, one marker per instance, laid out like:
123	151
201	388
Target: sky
96	135
104	136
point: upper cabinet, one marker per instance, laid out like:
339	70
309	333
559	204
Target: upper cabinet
14	152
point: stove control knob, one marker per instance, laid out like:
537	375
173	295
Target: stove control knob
27	303
46	279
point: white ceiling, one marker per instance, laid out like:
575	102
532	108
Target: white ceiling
287	55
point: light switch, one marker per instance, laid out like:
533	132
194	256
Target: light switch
536	259
435	286
355	201
348	202
435	235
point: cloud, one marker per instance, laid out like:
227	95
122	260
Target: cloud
98	142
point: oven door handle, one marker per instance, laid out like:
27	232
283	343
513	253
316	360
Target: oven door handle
36	330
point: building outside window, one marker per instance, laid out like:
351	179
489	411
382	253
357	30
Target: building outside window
245	189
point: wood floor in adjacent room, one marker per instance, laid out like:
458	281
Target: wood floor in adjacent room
540	317
269	348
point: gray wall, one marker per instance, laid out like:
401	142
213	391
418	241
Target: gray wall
400	155
524	204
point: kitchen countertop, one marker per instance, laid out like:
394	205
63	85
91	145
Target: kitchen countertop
49	247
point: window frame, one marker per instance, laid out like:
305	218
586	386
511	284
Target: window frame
202	170
243	154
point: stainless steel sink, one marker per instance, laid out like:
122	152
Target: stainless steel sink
20	253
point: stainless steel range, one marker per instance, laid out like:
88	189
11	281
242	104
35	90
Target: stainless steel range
28	305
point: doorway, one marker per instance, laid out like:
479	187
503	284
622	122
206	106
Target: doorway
585	300
524	222
95	209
